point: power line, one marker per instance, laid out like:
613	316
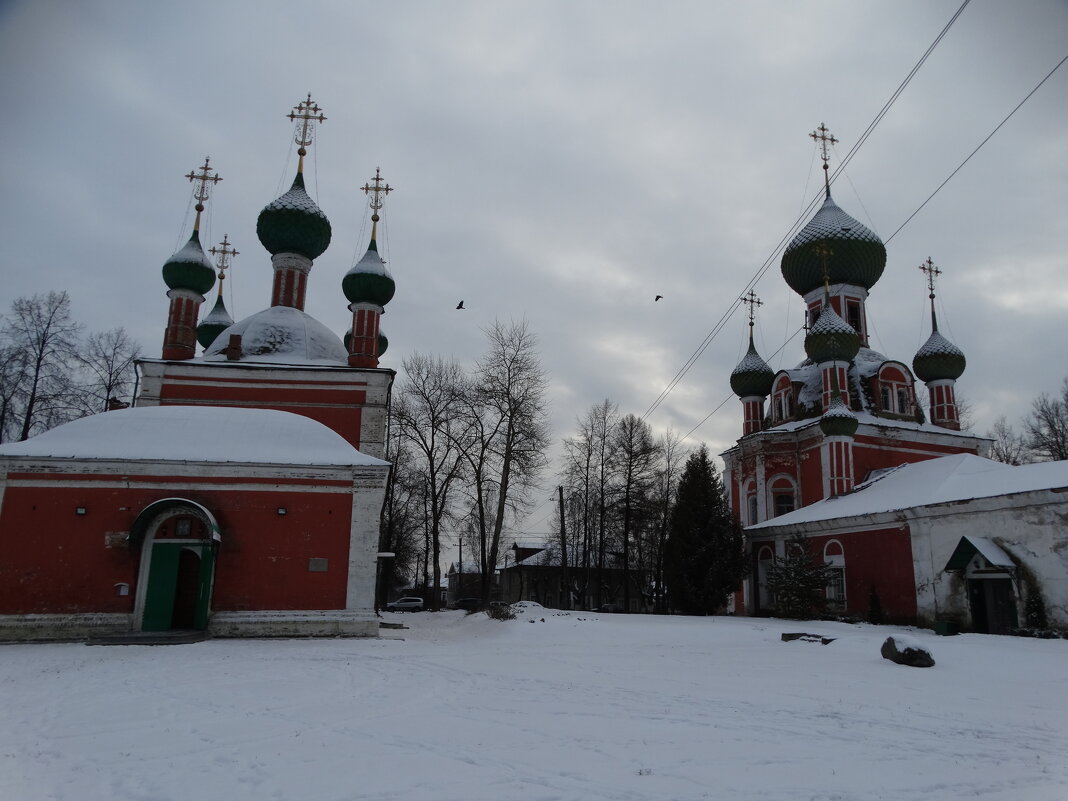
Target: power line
688	365
966	160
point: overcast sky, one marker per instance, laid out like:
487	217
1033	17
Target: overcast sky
558	162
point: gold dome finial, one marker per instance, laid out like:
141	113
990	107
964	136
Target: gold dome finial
824	137
929	269
751	300
223	254
304	114
376	193
203	181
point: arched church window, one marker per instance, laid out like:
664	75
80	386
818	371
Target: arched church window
783	493
752	509
834	557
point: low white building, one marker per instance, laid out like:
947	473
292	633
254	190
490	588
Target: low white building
983	536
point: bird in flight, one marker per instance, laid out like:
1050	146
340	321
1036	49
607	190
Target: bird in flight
658	297
460	305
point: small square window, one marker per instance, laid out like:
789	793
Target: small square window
318	564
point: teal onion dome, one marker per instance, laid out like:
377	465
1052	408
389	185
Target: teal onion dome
831	338
855	255
189	268
369	281
752	376
293	223
938	359
838	420
214	323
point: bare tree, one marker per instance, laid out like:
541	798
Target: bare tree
427	413
44	336
672	457
636	452
1008	447
1047	425
402	516
512	385
107	359
12	384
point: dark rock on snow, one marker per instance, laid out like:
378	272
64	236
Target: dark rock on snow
905	651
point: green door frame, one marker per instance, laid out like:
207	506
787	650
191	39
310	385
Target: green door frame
158	575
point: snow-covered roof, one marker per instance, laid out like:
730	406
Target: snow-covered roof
282	335
960	477
988	549
195	434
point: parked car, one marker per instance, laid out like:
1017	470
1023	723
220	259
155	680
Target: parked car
468	604
406	604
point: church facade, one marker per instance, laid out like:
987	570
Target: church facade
842	415
242	493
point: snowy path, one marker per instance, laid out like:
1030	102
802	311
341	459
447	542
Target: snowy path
582	706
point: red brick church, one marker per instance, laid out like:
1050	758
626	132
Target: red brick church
842	415
241	494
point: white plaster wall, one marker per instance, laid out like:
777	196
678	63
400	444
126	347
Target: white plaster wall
1031	527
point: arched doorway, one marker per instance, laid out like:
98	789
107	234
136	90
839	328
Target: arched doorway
177	539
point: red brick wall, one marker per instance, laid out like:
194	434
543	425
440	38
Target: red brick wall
54	561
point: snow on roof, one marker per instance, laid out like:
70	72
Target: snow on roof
281	335
195	434
960	477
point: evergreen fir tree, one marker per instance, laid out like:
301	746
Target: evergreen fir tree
798	581
704	558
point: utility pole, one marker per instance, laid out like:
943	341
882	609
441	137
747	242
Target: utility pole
566	591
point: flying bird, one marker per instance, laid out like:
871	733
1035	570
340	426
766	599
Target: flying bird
460	305
658	297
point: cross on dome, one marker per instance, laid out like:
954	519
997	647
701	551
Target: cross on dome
824	137
376	194
304	114
203	180
223	254
751	300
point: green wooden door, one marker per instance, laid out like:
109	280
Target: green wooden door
163	586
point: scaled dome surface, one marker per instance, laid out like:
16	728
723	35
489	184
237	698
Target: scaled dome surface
752	377
369	281
831	338
283	335
856	255
938	359
293	223
189	268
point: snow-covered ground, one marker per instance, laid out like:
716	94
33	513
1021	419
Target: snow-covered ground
580	706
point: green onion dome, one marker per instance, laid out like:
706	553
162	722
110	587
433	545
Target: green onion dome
293	223
938	359
838	420
189	268
752	376
855	255
216	321
831	338
369	281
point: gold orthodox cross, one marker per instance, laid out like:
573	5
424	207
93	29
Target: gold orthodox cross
377	191
929	269
824	137
223	254
203	181
751	300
